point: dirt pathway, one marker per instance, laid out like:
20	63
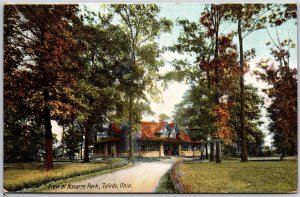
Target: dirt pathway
142	177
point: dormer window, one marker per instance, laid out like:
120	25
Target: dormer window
167	132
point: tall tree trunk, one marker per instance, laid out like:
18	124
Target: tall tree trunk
48	131
81	143
206	151
131	143
62	141
86	141
244	157
212	152
218	151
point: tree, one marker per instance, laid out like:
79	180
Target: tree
215	56
282	83
281	13
195	112
249	18
24	140
106	53
142	24
193	40
253	105
282	91
45	61
72	140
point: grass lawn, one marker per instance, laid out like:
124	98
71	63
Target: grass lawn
237	177
27	175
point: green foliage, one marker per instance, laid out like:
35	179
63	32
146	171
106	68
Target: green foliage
192	41
253	104
142	25
195	112
72	140
106	52
24	140
268	152
252	16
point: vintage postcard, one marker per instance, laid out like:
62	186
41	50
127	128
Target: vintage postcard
150	98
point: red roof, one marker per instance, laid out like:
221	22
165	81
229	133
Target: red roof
172	124
115	128
183	136
148	130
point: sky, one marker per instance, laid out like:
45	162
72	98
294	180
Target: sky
173	94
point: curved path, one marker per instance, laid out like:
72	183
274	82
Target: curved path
142	177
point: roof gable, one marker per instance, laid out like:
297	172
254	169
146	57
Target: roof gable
149	130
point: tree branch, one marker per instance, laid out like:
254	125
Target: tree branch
272	38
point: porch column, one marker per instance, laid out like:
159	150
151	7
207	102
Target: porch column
105	150
161	149
114	149
193	146
206	150
140	147
179	150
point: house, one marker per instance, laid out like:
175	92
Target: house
111	141
163	138
154	139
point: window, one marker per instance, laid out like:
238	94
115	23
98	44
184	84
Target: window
101	135
150	146
186	147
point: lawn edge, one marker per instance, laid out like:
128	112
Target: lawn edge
167	176
175	178
44	187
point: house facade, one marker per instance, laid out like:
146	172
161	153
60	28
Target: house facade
155	139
